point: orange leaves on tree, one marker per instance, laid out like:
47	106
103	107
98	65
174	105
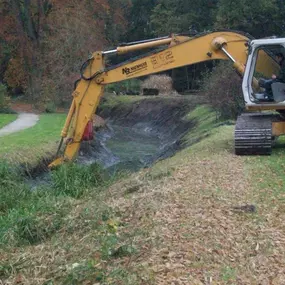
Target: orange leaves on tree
7	24
15	75
48	48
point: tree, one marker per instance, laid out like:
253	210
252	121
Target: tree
138	16
258	17
44	42
183	16
164	19
112	15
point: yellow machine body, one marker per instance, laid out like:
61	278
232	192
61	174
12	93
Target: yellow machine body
176	51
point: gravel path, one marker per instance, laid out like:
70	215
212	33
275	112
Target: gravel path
24	121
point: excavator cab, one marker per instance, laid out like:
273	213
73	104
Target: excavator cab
259	88
272	88
256	131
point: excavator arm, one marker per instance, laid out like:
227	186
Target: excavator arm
175	51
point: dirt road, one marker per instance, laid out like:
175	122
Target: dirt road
24	121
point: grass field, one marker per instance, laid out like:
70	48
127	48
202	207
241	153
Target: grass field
6	119
203	216
33	142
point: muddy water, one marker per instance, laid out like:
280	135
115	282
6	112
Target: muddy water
139	135
121	147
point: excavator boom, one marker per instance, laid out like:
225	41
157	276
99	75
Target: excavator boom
175	51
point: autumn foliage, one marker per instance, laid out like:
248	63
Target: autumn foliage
44	42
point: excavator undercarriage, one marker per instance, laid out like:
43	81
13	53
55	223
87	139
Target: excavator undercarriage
253	134
256	132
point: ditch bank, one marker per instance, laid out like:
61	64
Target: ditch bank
139	133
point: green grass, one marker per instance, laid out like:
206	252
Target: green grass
209	135
29	217
89	238
122	100
205	119
200	140
29	147
47	129
268	172
6	119
207	124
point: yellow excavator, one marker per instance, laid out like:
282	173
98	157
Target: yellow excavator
251	58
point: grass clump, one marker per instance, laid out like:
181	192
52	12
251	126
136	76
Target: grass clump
30	226
84	273
38	216
4	100
74	180
12	188
32	216
20	221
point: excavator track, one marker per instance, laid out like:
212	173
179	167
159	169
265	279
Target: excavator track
253	134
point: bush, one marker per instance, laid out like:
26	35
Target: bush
128	87
12	188
223	90
15	75
163	83
4	100
50	107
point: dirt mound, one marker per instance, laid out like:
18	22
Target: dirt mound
98	122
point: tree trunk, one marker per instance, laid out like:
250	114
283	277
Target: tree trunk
26	47
29	21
